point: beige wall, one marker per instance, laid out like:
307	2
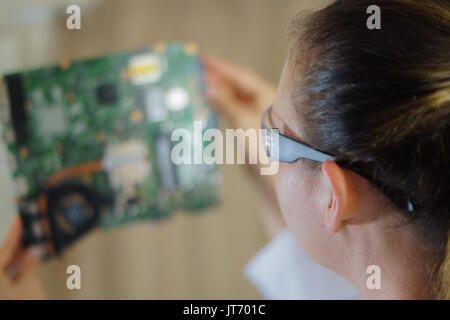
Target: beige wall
185	257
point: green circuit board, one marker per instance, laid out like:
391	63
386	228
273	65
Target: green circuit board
105	123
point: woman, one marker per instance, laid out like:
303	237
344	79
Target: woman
376	103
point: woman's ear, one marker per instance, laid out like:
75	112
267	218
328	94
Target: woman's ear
339	205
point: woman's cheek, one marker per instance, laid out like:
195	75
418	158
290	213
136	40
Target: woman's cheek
290	193
296	199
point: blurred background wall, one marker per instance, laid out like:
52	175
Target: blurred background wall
187	257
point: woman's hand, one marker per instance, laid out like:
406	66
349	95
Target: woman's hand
20	276
239	94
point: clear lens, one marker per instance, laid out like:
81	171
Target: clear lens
269	137
271	143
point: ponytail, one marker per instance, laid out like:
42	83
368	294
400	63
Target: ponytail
444	281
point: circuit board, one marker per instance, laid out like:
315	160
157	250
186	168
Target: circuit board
89	142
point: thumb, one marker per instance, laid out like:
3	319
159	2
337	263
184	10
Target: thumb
242	79
28	284
11	243
224	100
30	269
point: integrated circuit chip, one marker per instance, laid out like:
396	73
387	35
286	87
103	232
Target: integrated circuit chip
106	93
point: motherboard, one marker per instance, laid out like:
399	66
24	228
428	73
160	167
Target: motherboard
89	142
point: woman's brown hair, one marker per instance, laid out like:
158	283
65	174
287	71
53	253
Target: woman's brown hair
379	101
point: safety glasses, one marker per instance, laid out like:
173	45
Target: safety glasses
282	148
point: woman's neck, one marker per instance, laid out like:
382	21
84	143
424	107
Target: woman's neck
404	271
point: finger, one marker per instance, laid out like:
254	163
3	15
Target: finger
15	264
221	95
11	243
224	101
30	268
28	282
219	100
227	72
6	291
5	282
242	79
212	80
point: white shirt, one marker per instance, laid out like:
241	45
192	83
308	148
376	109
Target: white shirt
282	271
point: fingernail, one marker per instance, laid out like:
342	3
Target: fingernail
211	92
16	218
35	252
